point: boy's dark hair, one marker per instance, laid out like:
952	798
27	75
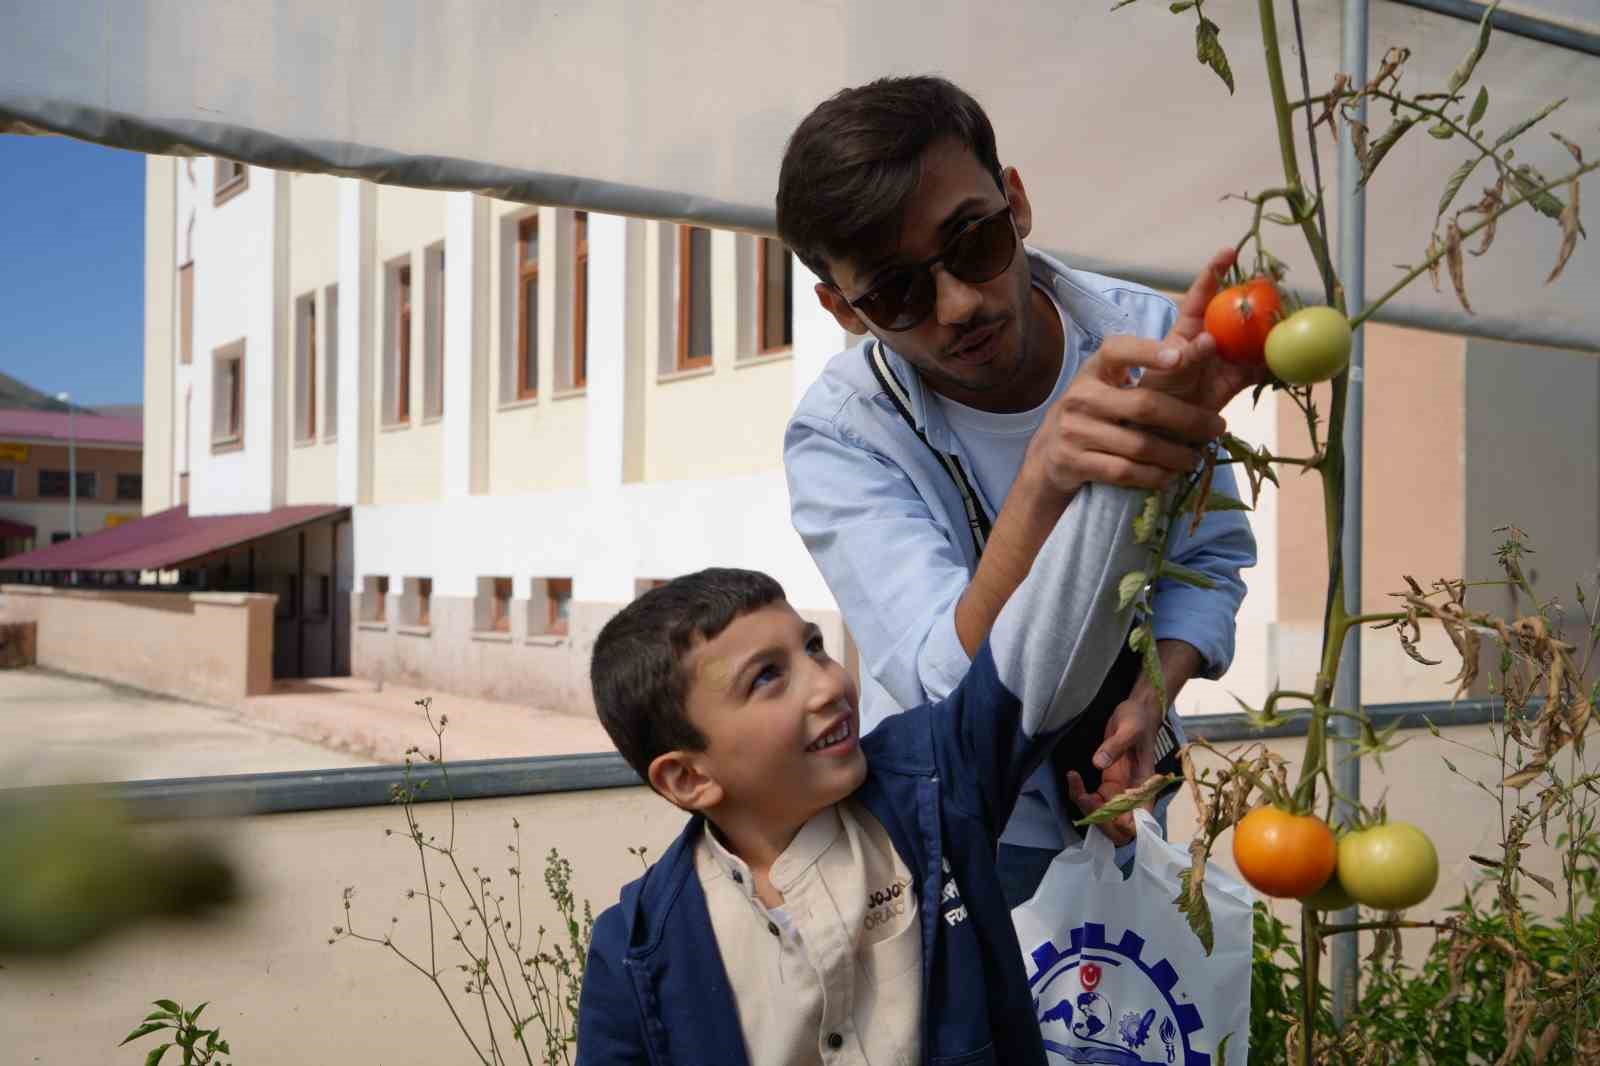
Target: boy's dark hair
852	164
640	688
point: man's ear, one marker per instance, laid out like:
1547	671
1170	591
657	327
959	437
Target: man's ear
1017	197
681	777
836	305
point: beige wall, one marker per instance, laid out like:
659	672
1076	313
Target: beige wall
160	340
284	996
212	647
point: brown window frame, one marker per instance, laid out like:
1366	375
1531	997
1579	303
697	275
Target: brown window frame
501	594
580	299
687	361
308	431
233	439
402	344
762	347
85	478
527	353
424	601
123	481
236	181
381	597
555	625
186	314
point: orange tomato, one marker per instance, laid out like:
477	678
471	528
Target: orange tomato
1289	856
1239	318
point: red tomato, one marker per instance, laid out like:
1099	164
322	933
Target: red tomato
1281	854
1239	318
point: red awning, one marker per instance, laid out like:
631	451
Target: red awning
13	530
166	540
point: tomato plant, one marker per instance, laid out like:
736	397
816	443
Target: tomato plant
1311	345
1282	854
1330	897
1239	319
1388	867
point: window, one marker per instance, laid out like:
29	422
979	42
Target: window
8	482
528	308
305	368
401	408
694	297
550	606
374	598
580	299
130	487
227	397
56	484
330	362
183	488
231	179
57	537
433	343
492	610
416	602
186	314
774	297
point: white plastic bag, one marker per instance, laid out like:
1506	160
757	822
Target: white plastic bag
1118	976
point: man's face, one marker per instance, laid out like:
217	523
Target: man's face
973	346
780	719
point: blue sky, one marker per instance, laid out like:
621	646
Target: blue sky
72	276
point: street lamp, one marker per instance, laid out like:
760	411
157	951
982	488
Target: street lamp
72	464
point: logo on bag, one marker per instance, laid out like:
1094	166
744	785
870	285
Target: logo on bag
1103	1003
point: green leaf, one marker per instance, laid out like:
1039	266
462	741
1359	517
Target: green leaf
1459	77
1441	130
1221	501
154	1057
1129	588
1120	4
1132	799
169	1006
1527	124
194	1014
1221	1057
1184	575
1546	203
144	1030
1181	6
1479	106
1381	146
1152	665
1148	523
1453	186
156	1015
1194	907
1208	49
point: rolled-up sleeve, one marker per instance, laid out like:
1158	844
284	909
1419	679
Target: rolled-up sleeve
889	563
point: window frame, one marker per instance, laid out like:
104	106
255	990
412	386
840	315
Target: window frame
762	347
232	353
330	353
235	182
555	625
401	414
186	314
526	354
500	605
307	370
8	482
433	337
686	299
580	300
137	496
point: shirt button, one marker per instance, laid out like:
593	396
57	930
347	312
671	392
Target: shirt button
835	1041
772	927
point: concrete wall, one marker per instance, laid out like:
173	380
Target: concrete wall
160	336
284	996
212	647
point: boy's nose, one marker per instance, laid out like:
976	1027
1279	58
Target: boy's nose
954	300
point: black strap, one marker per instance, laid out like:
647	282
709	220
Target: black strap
977	518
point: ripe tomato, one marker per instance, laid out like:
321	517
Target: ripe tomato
1282	854
1313	344
1389	867
1239	318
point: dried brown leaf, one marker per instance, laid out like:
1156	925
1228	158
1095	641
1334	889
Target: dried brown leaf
1453	260
1569	215
1525	776
1493	199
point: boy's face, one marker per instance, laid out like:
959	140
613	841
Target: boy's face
973	346
781	724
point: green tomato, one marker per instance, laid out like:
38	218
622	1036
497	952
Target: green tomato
1311	345
1330	897
1389	867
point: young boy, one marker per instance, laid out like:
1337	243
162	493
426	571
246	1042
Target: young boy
834	898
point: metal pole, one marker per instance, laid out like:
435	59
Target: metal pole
1347	693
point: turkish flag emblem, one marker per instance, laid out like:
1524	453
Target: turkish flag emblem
1089	974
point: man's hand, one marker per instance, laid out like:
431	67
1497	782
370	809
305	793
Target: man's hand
1101	430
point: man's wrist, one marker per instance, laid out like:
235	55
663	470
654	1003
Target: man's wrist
1180	661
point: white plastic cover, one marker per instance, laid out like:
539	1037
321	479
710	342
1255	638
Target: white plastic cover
681	110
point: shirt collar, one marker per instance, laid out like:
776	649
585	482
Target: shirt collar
808	845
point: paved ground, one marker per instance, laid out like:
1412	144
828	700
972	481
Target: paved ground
56	728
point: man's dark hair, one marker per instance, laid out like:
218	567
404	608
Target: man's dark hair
852	164
640	687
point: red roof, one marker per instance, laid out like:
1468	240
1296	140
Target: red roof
166	540
60	426
11	528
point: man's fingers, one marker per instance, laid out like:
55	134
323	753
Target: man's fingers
1192	308
1125	736
1119	829
1156	410
1136	445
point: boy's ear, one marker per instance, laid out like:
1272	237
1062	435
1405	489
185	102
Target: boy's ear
681	777
835	304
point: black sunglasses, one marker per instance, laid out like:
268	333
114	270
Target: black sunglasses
980	252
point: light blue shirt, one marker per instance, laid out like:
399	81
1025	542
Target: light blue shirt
887	528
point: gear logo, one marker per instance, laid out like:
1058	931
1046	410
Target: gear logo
1079	989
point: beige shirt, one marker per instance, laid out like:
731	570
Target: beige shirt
834	975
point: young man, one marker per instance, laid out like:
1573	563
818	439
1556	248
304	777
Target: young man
927	464
834	898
